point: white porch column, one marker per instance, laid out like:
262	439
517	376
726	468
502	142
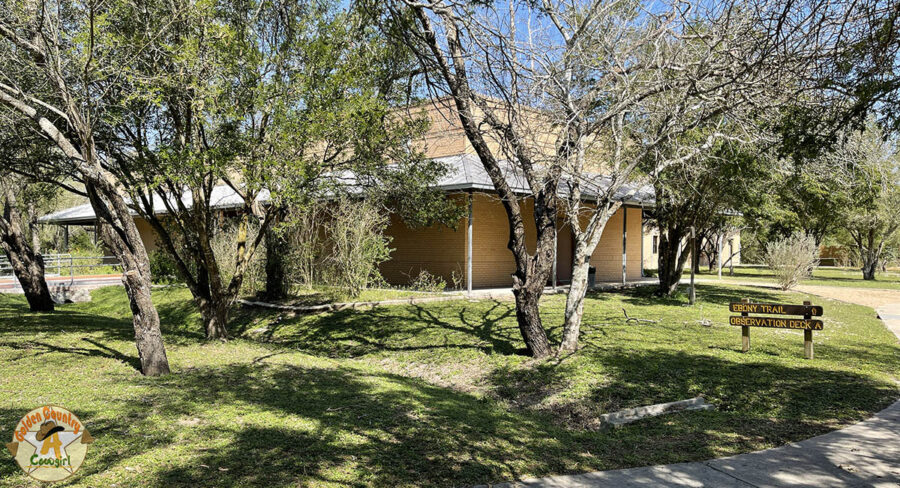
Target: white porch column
469	248
624	243
641	239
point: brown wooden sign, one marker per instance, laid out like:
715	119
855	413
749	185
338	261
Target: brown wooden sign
806	324
776	323
775	309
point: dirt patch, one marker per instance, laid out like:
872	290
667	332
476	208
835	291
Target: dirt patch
466	377
868	297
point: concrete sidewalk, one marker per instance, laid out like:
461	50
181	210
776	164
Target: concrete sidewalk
865	454
9	285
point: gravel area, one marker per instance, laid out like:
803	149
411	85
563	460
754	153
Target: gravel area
862	296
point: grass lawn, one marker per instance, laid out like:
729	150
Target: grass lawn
849	277
429	395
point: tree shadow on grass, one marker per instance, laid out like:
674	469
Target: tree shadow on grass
77	318
350	426
39	348
745	393
271	424
353	333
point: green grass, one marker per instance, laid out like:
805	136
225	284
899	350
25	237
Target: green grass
430	395
848	277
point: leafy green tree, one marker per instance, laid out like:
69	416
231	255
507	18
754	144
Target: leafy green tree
62	80
21	200
871	166
707	194
281	103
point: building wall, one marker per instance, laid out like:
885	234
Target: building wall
148	235
438	249
651	259
442	251
607	257
446	137
493	263
736	242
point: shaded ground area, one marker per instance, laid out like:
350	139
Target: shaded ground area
10	285
864	454
429	395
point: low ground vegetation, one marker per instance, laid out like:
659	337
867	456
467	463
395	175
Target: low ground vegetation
433	394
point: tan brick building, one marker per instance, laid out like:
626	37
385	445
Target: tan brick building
475	254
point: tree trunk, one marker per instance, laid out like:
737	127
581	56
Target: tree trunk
147	335
214	313
529	319
29	270
869	263
26	262
106	195
277	249
868	271
869	253
575	303
672	257
124	240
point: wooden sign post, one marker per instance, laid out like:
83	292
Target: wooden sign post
807	336
745	330
806	324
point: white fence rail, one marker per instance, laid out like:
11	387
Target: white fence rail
57	265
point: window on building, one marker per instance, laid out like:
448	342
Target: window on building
655	244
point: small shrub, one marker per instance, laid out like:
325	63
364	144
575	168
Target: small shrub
306	246
458	280
792	259
428	282
355	232
162	268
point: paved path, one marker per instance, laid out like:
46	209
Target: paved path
87	281
865	454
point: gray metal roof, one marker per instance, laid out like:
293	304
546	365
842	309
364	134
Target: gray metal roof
465	173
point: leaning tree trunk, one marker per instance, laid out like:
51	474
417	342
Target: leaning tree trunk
29	270
575	302
123	238
27	265
585	245
672	257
